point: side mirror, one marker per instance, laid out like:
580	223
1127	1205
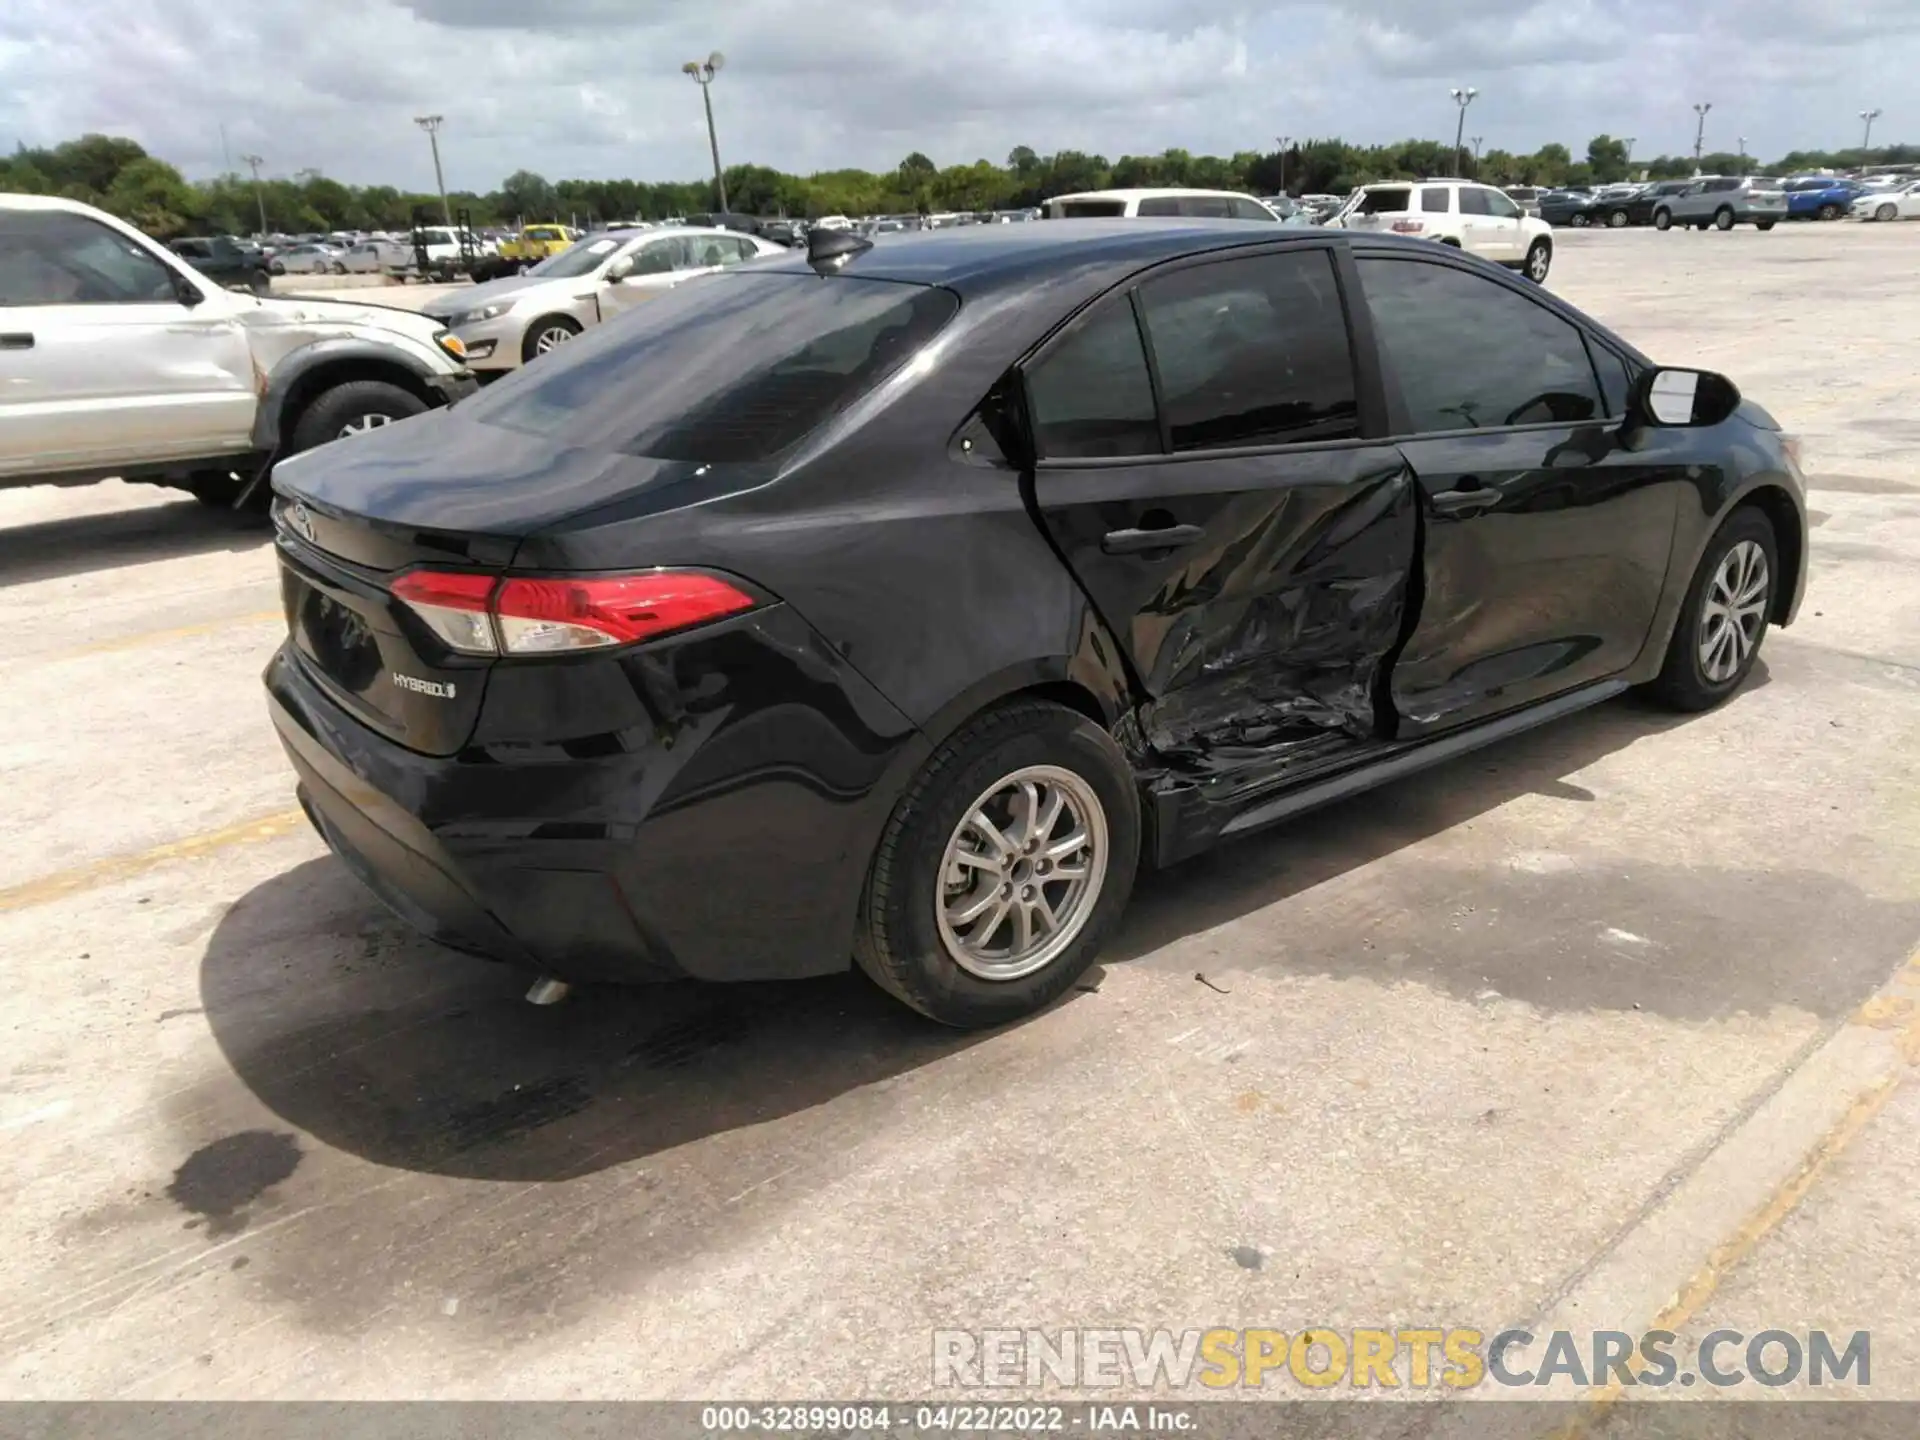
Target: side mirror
1675	397
620	269
185	291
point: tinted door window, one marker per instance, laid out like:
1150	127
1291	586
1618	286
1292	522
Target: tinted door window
1091	395
1206	207
1470	354
49	257
1499	205
1089	209
1433	200
1474	202
1252	352
1253	210
1154	206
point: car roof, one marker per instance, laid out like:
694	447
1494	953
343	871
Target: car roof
1149	193
975	260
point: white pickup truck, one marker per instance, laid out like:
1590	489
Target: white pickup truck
117	359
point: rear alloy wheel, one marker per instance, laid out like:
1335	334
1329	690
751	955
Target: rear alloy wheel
1723	218
1003	867
1885	212
1663	219
1579	220
546	334
355	408
1829	212
1616	220
1724	617
1539	261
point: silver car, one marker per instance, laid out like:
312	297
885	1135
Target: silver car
312	260
505	323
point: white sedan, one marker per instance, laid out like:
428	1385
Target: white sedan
312	260
1902	203
506	323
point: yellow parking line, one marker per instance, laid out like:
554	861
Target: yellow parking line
157	637
121	867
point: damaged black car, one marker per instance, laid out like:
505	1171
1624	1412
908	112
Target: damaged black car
892	602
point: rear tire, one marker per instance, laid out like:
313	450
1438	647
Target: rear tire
1690	680
349	409
1538	262
1829	212
1617	220
914	935
1579	220
1723	218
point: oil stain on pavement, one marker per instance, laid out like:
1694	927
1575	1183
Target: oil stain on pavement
219	1181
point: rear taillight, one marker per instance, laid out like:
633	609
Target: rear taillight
1409	227
552	615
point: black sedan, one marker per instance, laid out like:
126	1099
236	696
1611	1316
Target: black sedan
890	602
1581	208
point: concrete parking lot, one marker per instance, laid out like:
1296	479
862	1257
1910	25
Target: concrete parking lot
1607	1027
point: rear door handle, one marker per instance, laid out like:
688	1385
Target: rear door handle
1132	542
18	340
1466	499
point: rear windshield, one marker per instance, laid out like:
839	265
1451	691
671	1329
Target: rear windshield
1087	209
733	369
1390	201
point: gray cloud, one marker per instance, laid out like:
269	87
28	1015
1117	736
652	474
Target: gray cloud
592	87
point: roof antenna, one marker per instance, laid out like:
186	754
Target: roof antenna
828	250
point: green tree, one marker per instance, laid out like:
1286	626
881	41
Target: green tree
527	197
151	195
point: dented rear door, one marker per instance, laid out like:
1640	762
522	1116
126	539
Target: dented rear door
1203	475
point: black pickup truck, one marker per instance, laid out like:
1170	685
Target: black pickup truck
226	261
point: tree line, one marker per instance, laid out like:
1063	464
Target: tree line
119	176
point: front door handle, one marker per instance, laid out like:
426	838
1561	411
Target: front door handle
1470	497
1132	542
18	340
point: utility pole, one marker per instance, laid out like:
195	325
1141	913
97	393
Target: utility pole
703	72
1463	97
1285	141
1869	116
431	124
253	163
1700	132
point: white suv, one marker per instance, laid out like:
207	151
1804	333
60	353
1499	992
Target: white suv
1476	218
118	359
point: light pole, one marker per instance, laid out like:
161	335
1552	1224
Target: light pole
1743	154
703	72
1700	131
1869	116
431	124
1285	140
1462	97
253	163
1627	158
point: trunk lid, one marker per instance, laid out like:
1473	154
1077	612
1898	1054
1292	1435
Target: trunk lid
444	494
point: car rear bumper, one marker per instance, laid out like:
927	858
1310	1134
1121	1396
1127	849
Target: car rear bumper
728	840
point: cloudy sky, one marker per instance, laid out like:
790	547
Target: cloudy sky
592	88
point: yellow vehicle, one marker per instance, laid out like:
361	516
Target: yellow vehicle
535	243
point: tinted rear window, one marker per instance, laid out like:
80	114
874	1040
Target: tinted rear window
1089	209
737	368
1391	201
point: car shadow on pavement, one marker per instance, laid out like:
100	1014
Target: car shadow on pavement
83	544
1571	926
346	1024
